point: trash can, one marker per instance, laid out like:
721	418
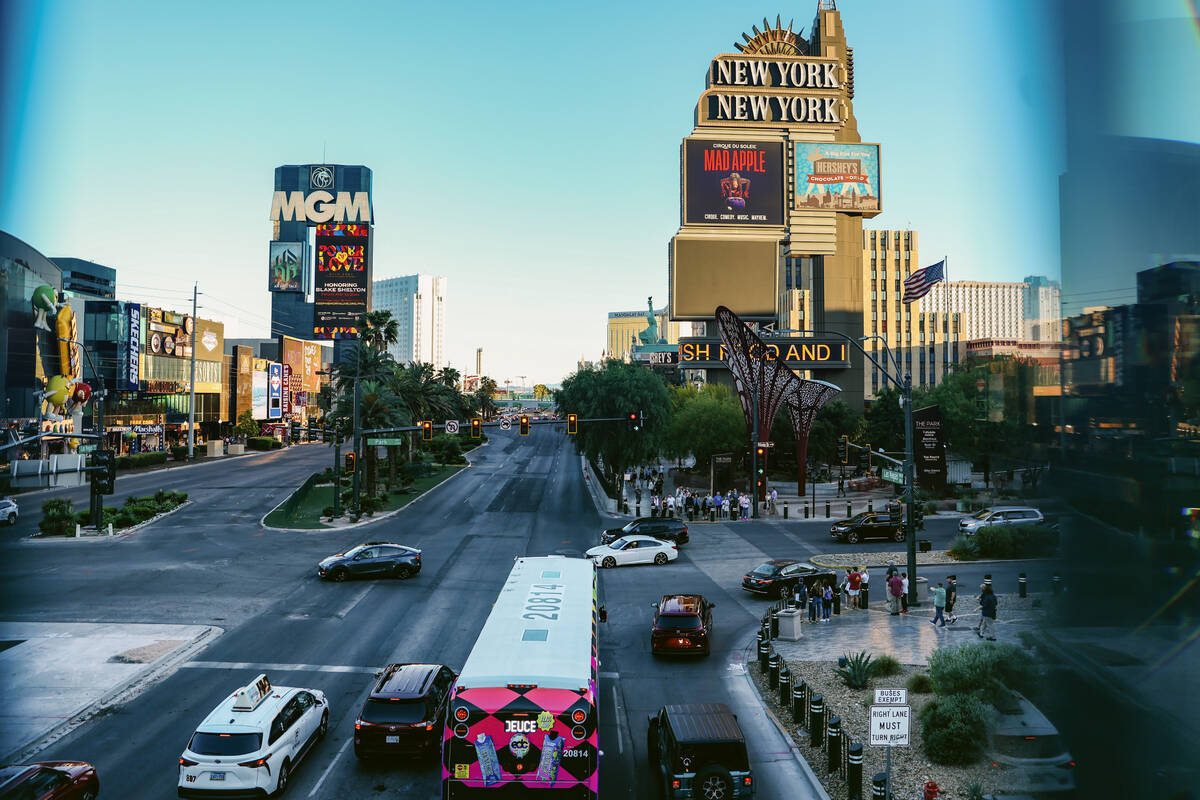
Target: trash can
789	625
924	545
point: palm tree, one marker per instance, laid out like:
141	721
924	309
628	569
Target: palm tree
378	329
449	376
485	397
378	407
424	395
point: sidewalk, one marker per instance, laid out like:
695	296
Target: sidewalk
56	675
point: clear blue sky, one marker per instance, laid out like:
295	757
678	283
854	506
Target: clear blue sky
527	151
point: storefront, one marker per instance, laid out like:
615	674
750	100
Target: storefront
129	436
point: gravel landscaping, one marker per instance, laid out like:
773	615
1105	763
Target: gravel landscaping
900	559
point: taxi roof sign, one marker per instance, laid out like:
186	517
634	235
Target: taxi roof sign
249	696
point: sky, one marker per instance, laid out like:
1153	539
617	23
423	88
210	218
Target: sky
529	152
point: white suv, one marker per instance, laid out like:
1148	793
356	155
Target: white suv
9	511
1000	515
250	743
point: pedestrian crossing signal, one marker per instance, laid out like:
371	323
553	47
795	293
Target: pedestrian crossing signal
426	430
524	425
572	424
476	428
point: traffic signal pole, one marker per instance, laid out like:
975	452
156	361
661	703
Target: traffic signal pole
754	456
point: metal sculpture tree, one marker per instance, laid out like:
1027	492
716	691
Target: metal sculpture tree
763	383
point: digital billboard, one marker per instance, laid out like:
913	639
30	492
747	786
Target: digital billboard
342	286
311	381
258	392
275	390
837	177
730	182
743	273
286	272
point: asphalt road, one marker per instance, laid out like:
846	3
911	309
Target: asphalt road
213	564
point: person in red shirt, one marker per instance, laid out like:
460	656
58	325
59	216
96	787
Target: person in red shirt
895	591
854	580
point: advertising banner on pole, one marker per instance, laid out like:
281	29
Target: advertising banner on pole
275	390
131	374
728	182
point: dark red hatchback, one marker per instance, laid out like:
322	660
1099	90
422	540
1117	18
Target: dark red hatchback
682	624
405	713
50	780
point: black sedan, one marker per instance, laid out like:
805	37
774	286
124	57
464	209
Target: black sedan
868	525
667	530
778	577
371	560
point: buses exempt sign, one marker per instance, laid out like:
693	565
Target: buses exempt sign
889	726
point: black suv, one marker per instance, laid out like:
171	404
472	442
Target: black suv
668	530
868	525
698	750
405	712
373	559
778	577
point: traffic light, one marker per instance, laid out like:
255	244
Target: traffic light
295	430
476	428
524	425
634	420
104	481
426	430
572	424
351	463
843	449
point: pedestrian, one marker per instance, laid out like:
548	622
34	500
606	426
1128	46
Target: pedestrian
939	606
744	501
718	502
670	506
951	596
799	595
814	603
689	503
987	615
854	582
895	589
774	498
904	595
841	492
979	625
827	598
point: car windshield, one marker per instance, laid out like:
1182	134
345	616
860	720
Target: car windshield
858	517
685	622
984	514
1047	746
395	712
765	569
355	550
225	744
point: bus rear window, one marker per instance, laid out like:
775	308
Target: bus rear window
225	744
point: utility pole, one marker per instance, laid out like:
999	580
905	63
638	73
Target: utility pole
192	382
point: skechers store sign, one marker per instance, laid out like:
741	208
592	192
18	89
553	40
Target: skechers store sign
707	352
786	90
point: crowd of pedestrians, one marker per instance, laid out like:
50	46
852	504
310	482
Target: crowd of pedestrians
694	503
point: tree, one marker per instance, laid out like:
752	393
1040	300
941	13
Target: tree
834	420
247	425
615	390
540	391
704	426
449	376
485	397
883	424
378	329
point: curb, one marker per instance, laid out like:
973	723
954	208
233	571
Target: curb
262	522
814	783
115	537
960	564
589	470
121	693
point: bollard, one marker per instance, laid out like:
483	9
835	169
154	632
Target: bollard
785	510
826	509
837	602
799	695
712	515
987	579
806	510
1022	591
637	510
833	743
766	628
863	597
1056	584
764	651
774	624
785	685
773	665
816	720
760	639
879	786
870	505
854	768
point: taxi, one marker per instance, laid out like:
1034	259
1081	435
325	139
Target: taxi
251	742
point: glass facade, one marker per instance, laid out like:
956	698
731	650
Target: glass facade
28	354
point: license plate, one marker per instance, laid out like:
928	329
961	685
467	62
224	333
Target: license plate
216	776
391	740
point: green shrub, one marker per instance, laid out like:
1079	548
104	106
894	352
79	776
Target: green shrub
857	672
885	666
953	729
261	443
931	507
996	541
920	683
1034	541
964	548
180	453
327	511
975	668
141	460
58	517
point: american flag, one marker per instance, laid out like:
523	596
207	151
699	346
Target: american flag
920	282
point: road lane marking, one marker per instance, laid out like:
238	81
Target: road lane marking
617	714
260	667
611	676
358	598
329	769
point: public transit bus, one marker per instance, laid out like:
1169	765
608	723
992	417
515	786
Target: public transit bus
523	714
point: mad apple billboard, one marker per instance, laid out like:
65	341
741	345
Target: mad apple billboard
732	182
342	285
837	177
286	267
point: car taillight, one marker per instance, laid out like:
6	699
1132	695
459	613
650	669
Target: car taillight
1067	765
362	723
673	545
187	762
675	783
747	780
258	762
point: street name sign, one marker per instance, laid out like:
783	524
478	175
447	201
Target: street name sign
388	442
766	444
451	426
889	726
891	697
893	475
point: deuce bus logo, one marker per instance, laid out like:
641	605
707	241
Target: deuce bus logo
519	726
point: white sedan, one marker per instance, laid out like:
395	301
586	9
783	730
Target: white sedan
633	550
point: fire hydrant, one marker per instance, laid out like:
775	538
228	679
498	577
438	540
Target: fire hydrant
931	791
